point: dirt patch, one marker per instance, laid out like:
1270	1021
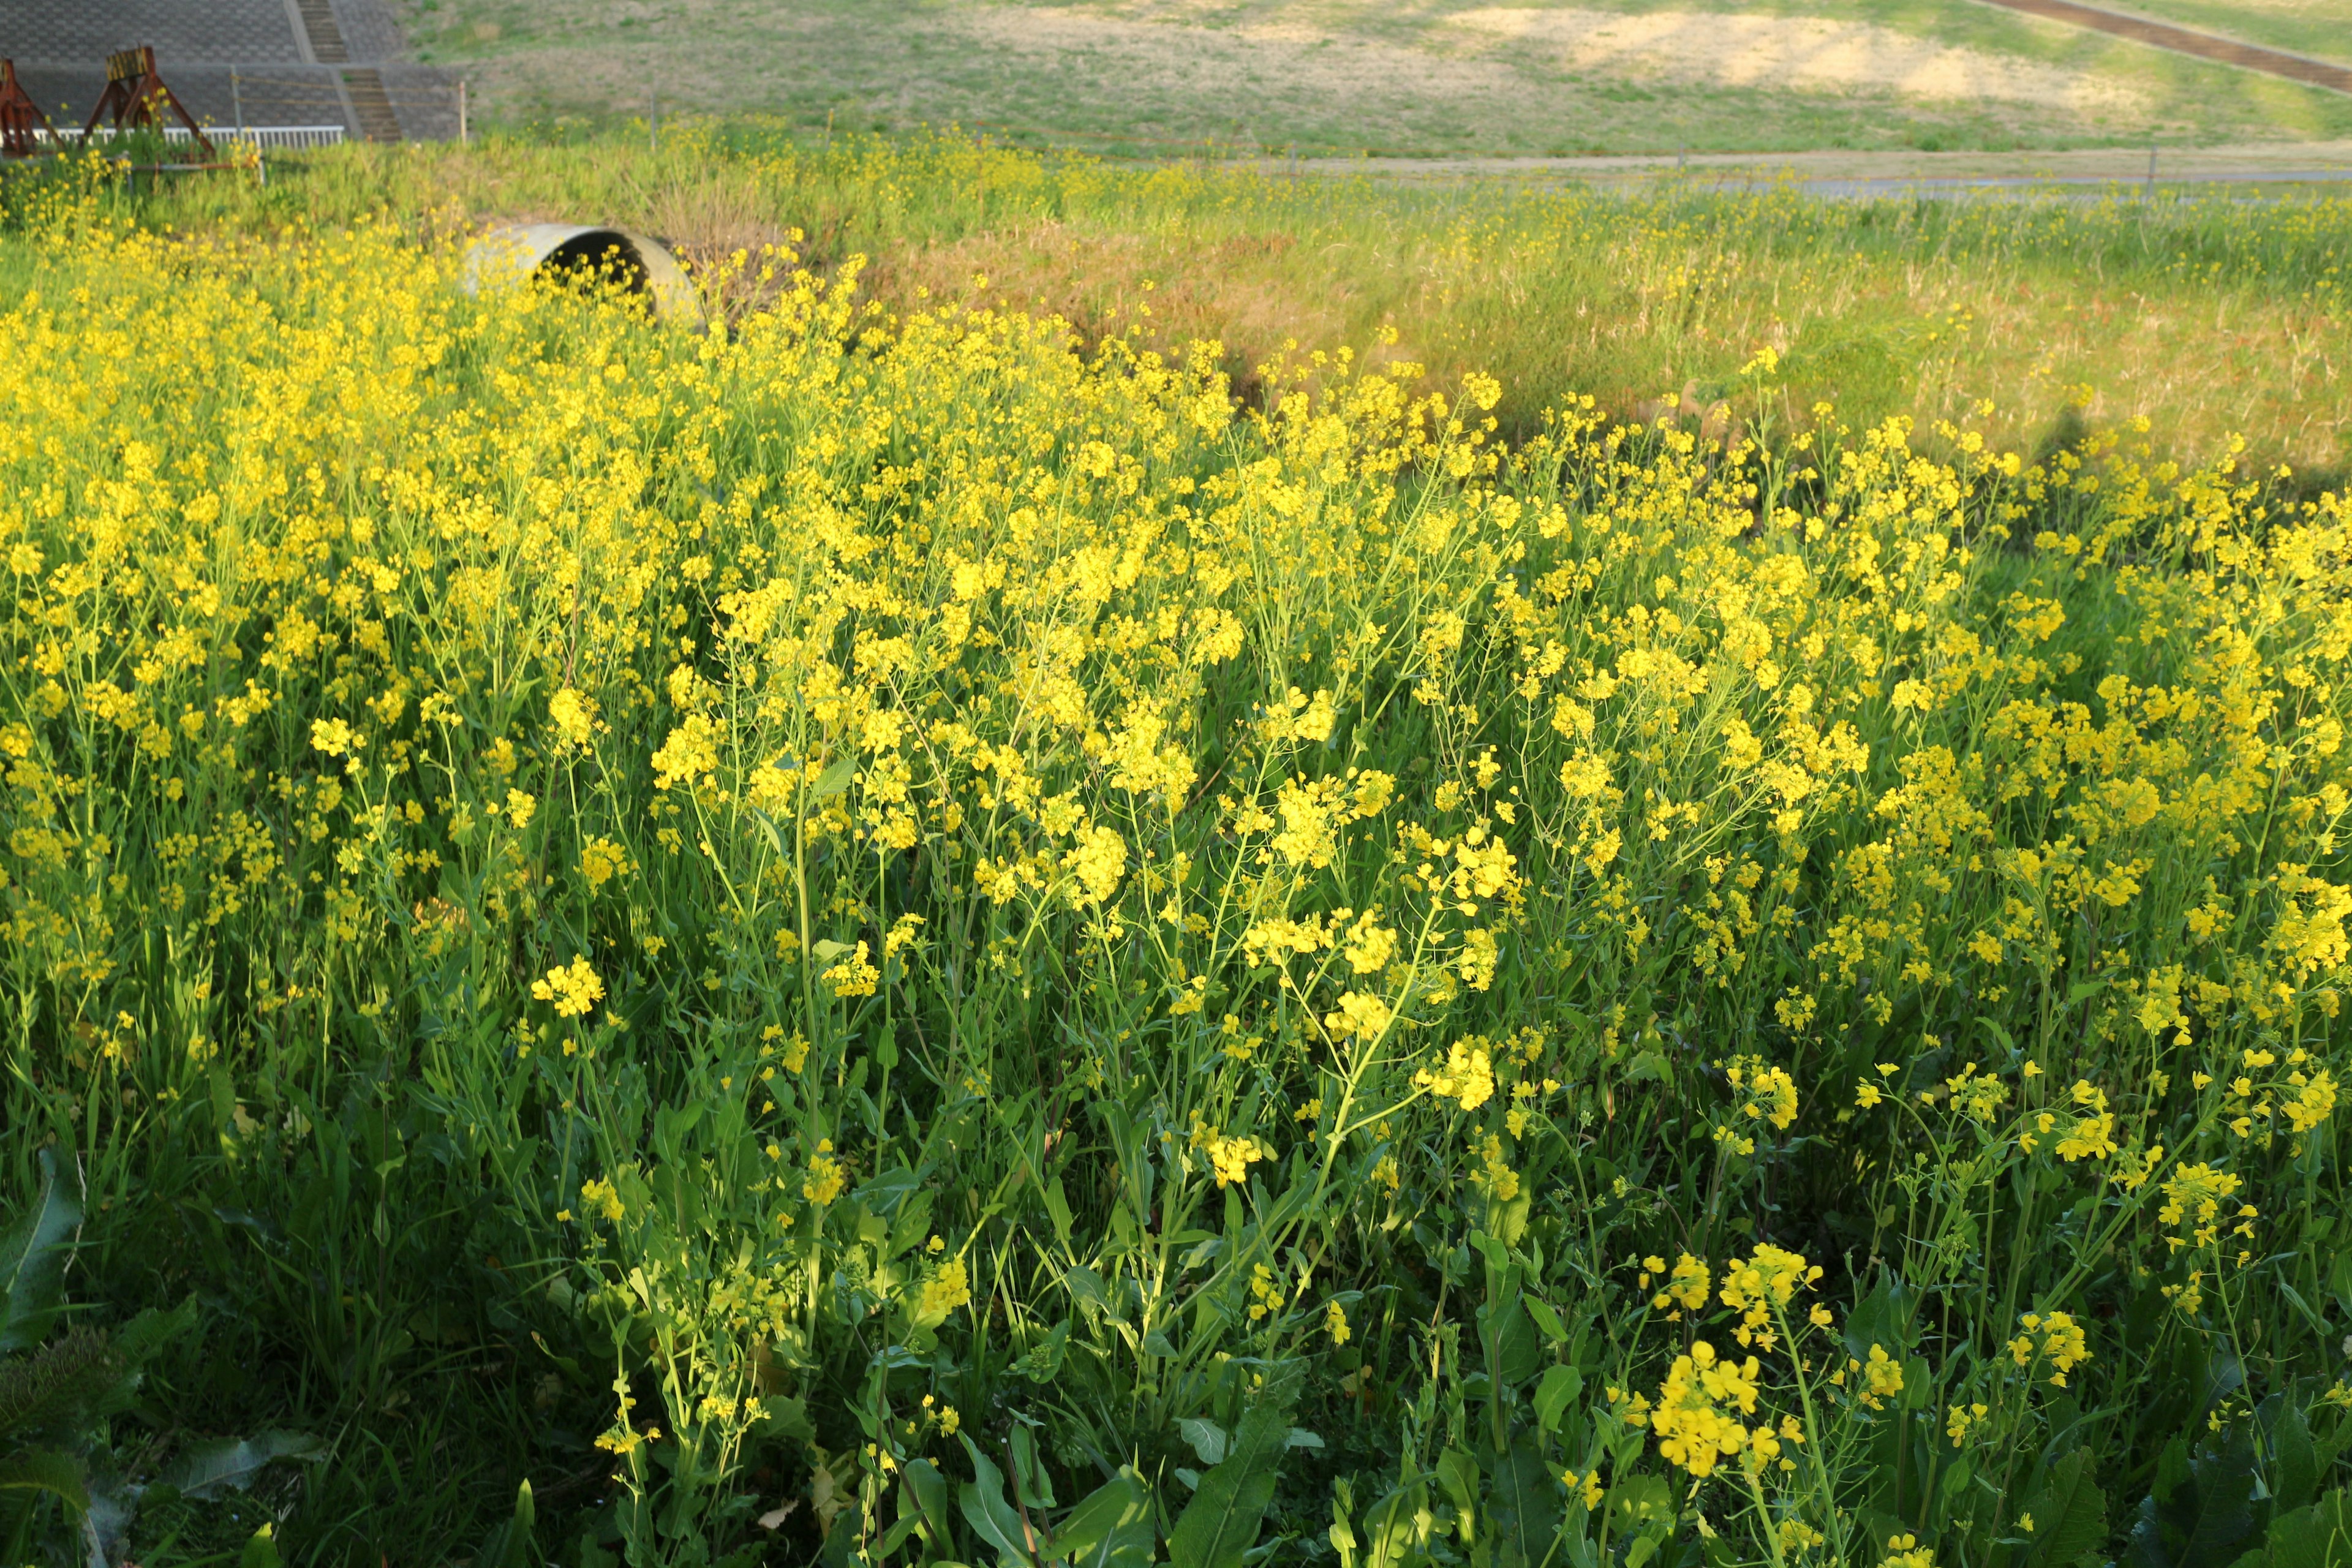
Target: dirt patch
1174	57
1815	53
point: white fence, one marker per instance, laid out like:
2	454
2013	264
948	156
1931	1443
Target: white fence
222	135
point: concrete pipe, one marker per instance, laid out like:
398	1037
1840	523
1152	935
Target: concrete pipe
640	265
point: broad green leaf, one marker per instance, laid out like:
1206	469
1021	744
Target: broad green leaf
33	1255
930	1491
2316	1536
1220	1525
835	779
44	1470
985	1510
1390	1526
2295	1461
261	1551
2202	1518
1457	1472
1110	1525
1029	1478
1523	1506
2068	1510
1207	1439
1559	1386
230	1463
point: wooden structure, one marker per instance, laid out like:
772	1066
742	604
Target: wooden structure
136	97
22	124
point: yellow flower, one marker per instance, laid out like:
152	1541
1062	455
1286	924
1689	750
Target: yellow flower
947	1289
1905	1551
1698	1410
1358	1015
854	976
1467	1078
1096	866
1687	1289
599	1195
601	861
574	988
572	717
2062	1344
2314	1099
334	737
825	1179
1335	1323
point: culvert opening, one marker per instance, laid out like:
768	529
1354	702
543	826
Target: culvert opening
585	255
600	256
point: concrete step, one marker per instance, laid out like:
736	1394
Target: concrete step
378	121
327	44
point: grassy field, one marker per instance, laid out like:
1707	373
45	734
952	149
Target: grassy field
1345	75
2313	27
923	932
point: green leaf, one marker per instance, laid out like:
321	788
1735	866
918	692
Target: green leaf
1220	1525
1207	1439
1510	1342
2317	1536
1029	1478
33	1257
230	1463
45	1470
2069	1511
2295	1461
1109	1528
1559	1386
1457	1472
835	779
509	1546
985	1510
152	1329
261	1551
930	1491
2202	1518
786	1416
1524	1506
1390	1526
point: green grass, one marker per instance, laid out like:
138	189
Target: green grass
1337	75
2313	27
2206	317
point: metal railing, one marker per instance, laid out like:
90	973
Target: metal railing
221	135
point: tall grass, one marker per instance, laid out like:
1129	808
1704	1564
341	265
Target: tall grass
872	938
2210	316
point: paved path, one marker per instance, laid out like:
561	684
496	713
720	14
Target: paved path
2183	41
2262	163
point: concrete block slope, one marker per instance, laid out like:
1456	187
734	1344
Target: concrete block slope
267	62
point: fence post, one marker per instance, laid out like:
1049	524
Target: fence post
236	97
461	111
